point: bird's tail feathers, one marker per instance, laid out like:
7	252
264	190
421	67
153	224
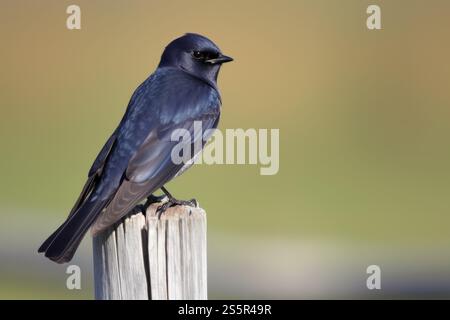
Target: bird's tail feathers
62	244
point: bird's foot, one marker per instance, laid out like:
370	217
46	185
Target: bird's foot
154	199
142	208
175	202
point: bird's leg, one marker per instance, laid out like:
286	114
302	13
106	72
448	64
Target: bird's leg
173	202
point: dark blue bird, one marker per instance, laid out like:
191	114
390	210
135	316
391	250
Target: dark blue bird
136	160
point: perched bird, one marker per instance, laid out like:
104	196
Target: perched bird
136	160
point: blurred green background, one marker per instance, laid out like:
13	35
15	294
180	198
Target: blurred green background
364	139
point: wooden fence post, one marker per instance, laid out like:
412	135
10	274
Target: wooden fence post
143	257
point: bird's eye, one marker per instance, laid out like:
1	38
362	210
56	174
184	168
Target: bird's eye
197	55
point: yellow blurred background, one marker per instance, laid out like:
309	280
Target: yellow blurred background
364	139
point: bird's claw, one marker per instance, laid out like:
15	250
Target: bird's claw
162	208
154	199
175	202
191	203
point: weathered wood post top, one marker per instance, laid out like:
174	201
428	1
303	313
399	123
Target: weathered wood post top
147	257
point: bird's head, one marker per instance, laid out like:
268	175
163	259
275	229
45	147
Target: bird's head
195	54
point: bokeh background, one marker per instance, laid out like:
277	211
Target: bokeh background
364	139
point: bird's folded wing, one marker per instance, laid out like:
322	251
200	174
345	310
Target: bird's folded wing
151	167
95	172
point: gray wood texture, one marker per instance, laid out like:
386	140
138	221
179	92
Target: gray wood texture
145	257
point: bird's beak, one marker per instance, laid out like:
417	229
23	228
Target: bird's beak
219	60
